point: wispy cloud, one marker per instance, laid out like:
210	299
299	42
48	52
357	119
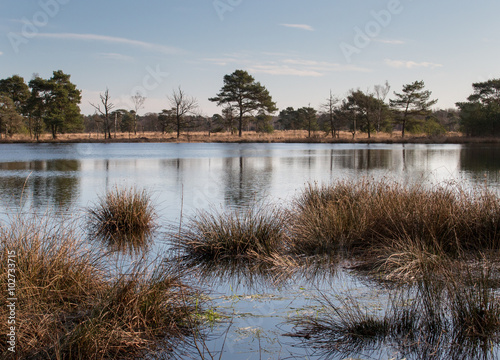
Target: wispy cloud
389	41
111	39
115	56
222	61
411	64
277	65
1	53
324	66
283	70
299	26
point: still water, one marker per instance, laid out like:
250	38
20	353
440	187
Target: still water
65	177
184	178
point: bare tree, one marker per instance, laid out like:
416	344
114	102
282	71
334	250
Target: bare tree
381	92
105	112
138	101
182	105
329	109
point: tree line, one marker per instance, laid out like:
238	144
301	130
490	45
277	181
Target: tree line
41	105
52	106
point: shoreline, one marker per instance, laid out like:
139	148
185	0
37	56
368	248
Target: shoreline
252	137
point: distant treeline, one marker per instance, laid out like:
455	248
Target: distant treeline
51	105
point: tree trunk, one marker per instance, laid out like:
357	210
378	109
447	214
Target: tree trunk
240	125
30	126
178	126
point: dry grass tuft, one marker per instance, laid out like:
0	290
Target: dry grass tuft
401	230
123	219
250	233
70	308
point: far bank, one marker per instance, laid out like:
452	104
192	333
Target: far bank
278	136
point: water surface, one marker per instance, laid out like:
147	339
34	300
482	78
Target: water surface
184	178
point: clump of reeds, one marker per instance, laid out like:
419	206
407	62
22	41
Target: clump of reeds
473	302
123	218
70	307
341	324
54	275
397	229
326	218
407	258
136	312
238	234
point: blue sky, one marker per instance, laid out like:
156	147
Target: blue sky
299	50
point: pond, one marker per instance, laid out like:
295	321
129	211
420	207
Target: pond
185	178
196	176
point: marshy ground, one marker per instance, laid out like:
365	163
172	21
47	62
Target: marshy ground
431	253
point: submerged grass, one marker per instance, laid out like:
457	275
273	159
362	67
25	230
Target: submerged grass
455	316
429	241
342	324
123	218
69	306
473	302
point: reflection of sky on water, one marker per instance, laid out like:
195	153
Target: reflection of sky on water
194	176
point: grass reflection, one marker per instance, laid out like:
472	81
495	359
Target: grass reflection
456	316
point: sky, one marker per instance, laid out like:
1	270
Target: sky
299	50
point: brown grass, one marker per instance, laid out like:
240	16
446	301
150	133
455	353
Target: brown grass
245	234
71	307
397	229
279	136
124	219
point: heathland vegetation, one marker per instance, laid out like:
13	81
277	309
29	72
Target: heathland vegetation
433	249
72	304
51	106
